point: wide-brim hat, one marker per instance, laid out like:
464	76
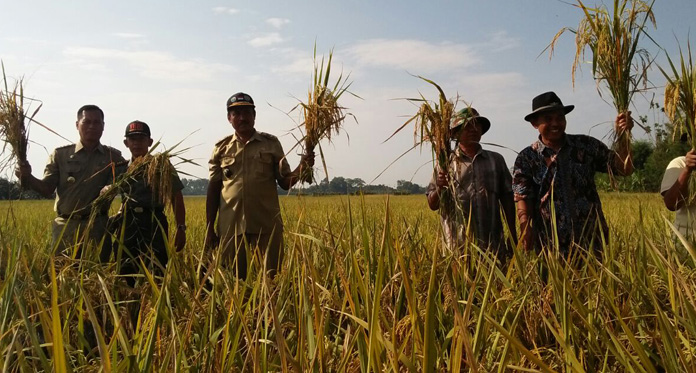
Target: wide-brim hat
545	102
240	99
468	114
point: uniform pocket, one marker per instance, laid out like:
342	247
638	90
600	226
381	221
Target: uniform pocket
73	169
228	167
264	163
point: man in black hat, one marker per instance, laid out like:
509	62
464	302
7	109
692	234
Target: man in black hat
553	179
481	183
244	170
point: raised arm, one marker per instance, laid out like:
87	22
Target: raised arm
434	195
288	181
623	162
27	180
676	195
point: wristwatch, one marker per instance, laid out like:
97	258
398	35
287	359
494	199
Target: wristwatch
181	227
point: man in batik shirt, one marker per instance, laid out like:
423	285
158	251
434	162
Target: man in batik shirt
553	179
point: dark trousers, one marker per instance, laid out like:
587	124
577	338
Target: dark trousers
140	234
269	247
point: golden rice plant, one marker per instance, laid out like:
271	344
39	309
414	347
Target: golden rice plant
12	116
680	100
157	170
617	59
680	93
432	124
322	115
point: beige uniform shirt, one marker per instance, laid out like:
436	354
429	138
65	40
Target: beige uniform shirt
685	218
79	176
249	174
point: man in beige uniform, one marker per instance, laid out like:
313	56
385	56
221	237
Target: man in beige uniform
242	193
77	173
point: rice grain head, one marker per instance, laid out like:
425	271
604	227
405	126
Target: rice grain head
12	119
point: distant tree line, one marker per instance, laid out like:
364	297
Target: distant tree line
10	190
337	185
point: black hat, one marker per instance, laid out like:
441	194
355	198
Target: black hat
468	114
545	102
137	127
240	99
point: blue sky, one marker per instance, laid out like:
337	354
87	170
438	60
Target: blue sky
173	64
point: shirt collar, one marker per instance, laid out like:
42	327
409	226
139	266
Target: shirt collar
541	148
479	153
79	146
256	136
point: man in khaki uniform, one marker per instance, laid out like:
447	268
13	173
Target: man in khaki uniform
77	173
242	194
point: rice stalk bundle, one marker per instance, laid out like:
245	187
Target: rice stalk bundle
157	170
680	100
617	60
12	116
322	114
432	124
680	93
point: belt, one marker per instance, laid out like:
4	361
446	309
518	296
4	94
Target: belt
78	216
141	209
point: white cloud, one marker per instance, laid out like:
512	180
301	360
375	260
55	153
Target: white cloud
266	40
300	63
150	64
127	35
277	22
501	41
225	10
413	55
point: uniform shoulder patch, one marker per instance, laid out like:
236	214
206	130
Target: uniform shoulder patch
224	140
112	150
66	147
267	135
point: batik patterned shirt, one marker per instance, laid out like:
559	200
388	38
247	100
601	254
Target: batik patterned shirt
562	183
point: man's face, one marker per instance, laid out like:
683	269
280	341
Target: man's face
138	144
551	124
470	133
242	119
90	126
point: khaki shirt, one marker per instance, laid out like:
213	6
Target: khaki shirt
79	176
685	218
249	174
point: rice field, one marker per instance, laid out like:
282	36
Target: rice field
366	286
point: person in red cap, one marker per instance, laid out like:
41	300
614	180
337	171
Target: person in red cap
141	228
481	183
242	196
553	180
